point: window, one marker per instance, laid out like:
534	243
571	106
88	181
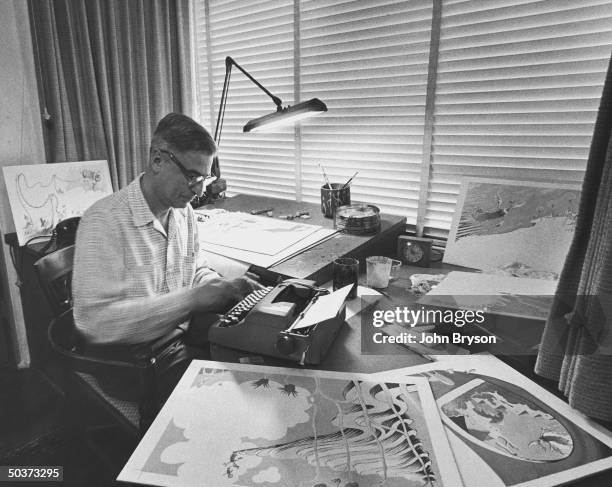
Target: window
517	91
368	61
259	36
513	93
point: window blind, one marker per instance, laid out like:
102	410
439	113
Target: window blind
259	36
517	92
368	61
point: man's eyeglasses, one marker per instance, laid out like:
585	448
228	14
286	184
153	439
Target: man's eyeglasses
193	178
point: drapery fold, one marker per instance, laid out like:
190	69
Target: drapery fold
109	70
576	347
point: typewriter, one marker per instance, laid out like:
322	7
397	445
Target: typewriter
267	321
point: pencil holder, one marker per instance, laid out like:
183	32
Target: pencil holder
332	198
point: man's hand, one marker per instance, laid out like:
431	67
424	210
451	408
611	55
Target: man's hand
253	281
218	294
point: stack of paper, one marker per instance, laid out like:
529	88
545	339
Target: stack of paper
255	239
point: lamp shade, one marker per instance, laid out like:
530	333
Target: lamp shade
285	116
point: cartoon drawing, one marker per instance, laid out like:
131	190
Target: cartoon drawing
396	451
506	430
42	195
495	418
295	427
525	223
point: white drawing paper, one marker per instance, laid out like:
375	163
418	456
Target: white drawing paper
263	260
252	233
505	430
324	308
505	223
42	195
233	424
497	294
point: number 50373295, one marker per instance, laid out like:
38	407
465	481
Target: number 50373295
17	473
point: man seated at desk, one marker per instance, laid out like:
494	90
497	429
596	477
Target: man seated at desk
137	272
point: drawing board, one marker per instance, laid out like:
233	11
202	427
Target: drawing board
233	424
500	223
505	430
42	195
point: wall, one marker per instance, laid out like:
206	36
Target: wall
21	142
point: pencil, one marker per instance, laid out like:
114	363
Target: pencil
349	181
325	176
259	212
383	293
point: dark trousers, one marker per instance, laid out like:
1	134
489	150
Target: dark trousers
171	362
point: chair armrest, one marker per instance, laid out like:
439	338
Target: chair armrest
145	362
87	359
63	338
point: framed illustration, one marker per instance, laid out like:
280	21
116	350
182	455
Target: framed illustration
527	226
233	424
505	430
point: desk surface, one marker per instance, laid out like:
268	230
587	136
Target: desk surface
315	263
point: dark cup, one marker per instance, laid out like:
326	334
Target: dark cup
333	198
346	271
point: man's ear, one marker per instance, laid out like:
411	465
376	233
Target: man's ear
155	161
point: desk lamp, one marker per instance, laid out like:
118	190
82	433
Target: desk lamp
282	116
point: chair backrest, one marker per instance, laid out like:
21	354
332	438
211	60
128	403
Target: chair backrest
55	276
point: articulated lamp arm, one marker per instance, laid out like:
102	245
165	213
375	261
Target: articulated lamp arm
229	62
289	114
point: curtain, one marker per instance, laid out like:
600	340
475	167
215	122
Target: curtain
576	348
109	70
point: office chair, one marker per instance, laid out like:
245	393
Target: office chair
83	364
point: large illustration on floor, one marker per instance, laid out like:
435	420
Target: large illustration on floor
278	427
517	433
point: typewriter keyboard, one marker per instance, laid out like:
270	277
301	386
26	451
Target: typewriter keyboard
238	312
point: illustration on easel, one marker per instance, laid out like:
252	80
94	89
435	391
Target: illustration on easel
524	225
42	195
232	425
